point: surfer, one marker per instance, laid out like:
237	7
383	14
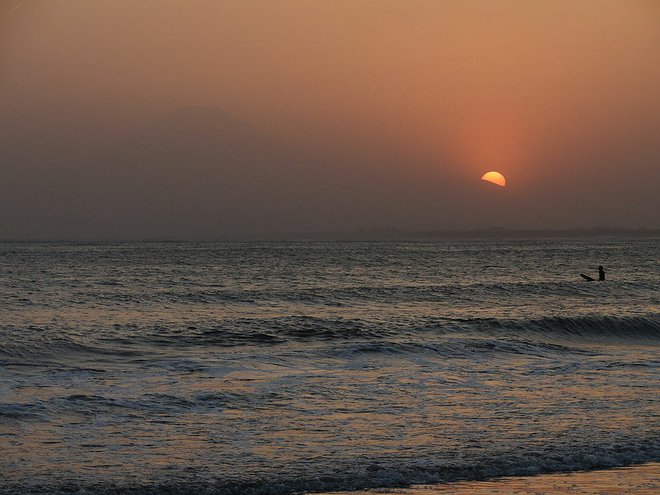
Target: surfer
601	275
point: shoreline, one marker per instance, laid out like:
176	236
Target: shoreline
641	479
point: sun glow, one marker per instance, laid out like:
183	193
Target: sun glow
494	178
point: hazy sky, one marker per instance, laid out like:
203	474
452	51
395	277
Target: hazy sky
390	110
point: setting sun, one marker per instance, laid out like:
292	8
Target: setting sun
494	178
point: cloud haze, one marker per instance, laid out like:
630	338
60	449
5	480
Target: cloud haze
162	118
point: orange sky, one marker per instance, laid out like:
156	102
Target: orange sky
560	96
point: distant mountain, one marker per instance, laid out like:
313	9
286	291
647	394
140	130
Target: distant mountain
197	129
199	168
202	138
200	172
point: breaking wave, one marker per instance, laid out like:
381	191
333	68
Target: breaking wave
363	474
445	336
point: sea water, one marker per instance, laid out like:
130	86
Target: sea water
283	367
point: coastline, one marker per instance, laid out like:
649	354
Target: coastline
642	479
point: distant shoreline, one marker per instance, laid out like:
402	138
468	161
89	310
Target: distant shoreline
494	233
386	234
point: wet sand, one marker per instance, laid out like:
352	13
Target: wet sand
640	480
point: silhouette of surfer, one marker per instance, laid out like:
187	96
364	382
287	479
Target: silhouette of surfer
601	275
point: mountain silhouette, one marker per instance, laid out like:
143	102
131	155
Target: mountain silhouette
206	140
200	167
198	129
200	172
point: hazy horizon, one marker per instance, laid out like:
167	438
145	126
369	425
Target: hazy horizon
169	119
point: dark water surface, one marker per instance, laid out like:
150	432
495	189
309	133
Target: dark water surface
282	367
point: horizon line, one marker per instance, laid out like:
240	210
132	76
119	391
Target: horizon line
373	234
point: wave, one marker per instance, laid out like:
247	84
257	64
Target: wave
114	292
52	346
88	406
625	327
278	330
358	474
459	348
446	336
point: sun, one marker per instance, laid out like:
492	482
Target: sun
494	178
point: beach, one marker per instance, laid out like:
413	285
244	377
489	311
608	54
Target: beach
640	480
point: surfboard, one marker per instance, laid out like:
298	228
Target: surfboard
587	277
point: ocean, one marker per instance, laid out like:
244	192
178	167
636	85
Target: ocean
291	367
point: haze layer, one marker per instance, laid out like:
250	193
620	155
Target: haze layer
125	119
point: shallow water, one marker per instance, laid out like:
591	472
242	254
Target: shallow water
643	479
280	367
